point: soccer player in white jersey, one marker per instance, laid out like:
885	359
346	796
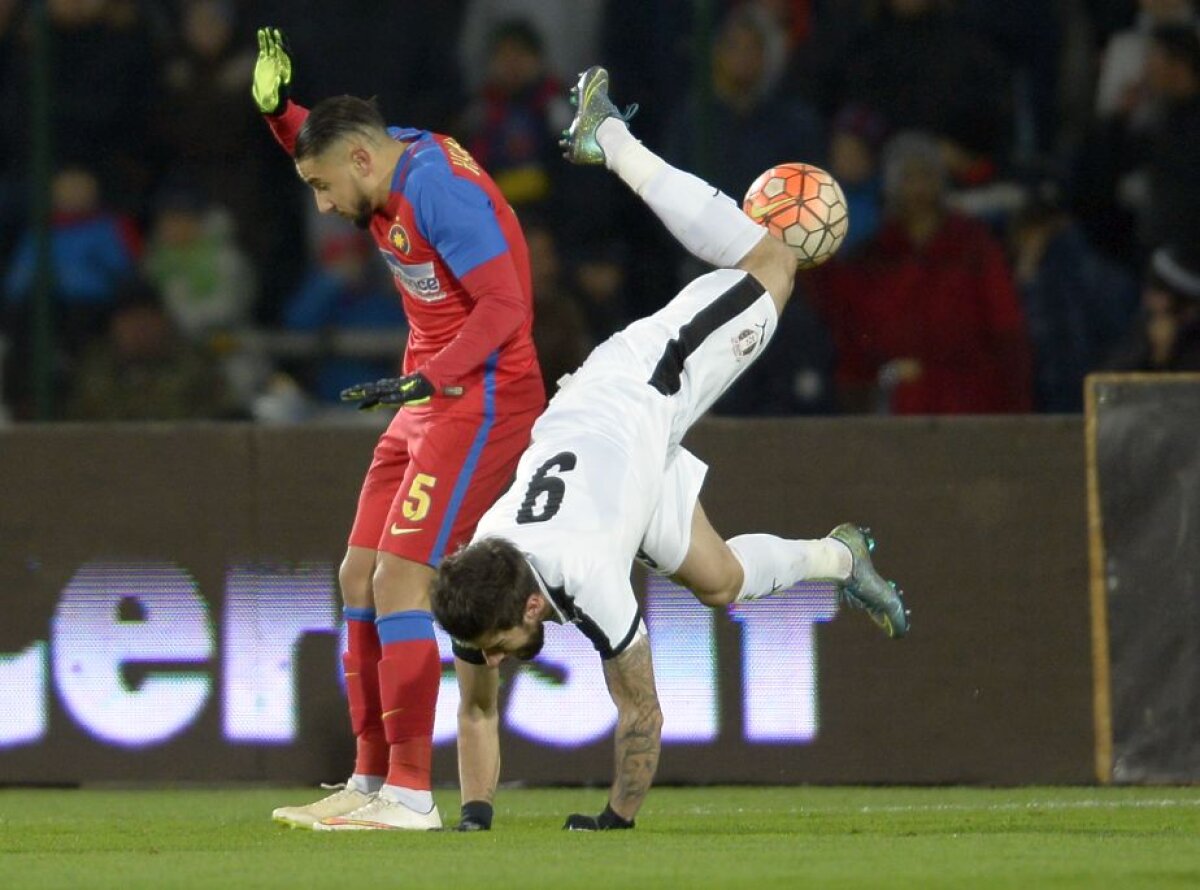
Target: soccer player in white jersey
605	479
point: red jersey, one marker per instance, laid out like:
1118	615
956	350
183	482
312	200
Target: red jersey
460	262
950	304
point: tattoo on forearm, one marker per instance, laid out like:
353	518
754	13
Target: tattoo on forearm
630	679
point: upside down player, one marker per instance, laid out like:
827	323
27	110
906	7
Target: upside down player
469	395
605	478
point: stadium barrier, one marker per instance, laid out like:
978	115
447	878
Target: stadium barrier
1144	521
170	612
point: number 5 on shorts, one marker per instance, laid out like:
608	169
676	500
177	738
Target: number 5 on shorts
416	503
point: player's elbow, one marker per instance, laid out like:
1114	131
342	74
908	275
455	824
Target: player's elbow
644	721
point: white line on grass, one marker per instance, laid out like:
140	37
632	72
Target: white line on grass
1085	804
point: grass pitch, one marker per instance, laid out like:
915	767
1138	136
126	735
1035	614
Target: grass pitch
686	837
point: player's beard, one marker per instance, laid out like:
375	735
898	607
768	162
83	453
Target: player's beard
530	650
363	213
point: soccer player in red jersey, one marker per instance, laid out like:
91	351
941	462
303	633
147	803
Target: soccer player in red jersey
470	391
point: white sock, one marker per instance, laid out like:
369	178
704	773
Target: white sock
365	784
770	564
705	221
417	801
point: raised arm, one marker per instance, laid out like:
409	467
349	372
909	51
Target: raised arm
271	85
630	679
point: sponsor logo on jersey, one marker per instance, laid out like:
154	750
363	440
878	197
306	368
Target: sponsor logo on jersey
398	238
419	280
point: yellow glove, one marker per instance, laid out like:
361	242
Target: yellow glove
272	72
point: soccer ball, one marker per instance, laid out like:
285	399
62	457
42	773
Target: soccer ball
804	207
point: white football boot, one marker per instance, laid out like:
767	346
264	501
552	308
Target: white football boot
345	799
381	813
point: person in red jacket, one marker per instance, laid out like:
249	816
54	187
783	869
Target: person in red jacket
470	391
925	317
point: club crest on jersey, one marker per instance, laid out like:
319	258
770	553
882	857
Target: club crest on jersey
398	238
748	340
745	343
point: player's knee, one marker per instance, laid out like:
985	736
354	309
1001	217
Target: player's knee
722	585
399	584
354	581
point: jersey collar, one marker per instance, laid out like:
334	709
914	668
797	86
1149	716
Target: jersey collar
552	594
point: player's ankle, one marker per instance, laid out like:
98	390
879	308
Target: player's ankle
625	155
417	800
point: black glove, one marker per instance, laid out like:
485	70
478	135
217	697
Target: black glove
476	815
606	821
390	392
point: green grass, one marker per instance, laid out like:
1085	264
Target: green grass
686	837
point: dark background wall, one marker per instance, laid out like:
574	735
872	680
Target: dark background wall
982	520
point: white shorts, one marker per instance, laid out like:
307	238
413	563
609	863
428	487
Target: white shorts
669	532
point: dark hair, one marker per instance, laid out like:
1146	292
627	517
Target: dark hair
336	118
481	588
1181	43
520	31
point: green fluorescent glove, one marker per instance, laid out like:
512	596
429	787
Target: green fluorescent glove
272	72
391	392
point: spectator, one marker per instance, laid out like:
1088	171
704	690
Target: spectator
92	250
403	53
1172	212
512	126
143	370
856	136
748	127
916	62
559	327
206	281
925	318
1029	37
206	127
1167	337
1139	190
340	294
1121	89
1078	302
568	28
103	88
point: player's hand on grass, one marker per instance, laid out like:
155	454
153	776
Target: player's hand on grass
606	821
476	815
390	392
272	72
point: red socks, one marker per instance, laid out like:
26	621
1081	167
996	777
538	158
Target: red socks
410	672
361	665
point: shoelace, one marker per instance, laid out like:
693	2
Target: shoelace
630	110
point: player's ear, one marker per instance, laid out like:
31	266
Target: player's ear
535	605
360	159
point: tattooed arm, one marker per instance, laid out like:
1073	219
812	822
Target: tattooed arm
630	679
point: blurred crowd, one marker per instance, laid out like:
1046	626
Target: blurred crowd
1022	180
